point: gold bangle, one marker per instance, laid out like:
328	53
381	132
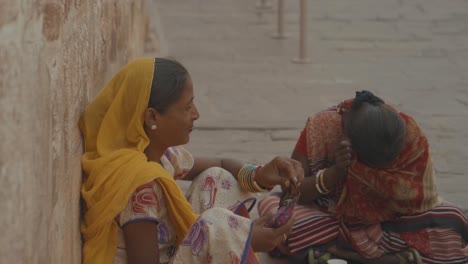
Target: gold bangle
322	183
244	177
317	186
256	185
317	182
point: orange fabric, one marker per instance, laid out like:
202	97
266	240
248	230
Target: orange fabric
373	195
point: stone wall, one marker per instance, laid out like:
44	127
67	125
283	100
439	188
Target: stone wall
54	57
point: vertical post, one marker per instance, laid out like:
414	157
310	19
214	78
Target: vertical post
280	25
303	39
263	5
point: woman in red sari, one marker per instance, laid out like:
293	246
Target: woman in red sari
370	194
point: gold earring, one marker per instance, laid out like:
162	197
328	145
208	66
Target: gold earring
153	127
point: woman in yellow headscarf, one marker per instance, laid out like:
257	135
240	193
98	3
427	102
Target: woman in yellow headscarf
135	211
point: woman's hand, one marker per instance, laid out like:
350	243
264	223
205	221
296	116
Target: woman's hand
265	239
343	155
280	171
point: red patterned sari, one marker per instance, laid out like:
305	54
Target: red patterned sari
376	211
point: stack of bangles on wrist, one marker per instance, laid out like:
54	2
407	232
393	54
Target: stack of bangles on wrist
246	179
319	184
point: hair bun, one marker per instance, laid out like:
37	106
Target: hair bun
365	96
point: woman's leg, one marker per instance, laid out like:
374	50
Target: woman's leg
312	227
440	234
405	256
216	187
218	236
222	233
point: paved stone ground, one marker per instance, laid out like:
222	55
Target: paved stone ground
254	102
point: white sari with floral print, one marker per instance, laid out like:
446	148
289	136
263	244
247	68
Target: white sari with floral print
219	235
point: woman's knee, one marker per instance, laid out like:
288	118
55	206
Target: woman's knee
215	172
268	204
218	177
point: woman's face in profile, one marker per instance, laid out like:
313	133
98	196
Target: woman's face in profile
176	123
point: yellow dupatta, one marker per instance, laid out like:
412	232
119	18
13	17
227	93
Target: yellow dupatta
115	165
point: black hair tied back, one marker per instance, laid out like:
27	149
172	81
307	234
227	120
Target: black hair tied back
377	132
365	97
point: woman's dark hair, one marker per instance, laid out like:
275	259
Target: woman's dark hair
169	78
377	132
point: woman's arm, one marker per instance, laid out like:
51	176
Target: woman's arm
331	175
141	241
278	171
308	190
202	164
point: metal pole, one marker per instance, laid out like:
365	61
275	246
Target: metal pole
280	26
303	39
263	5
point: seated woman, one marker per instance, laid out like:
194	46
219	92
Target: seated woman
369	194
135	211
